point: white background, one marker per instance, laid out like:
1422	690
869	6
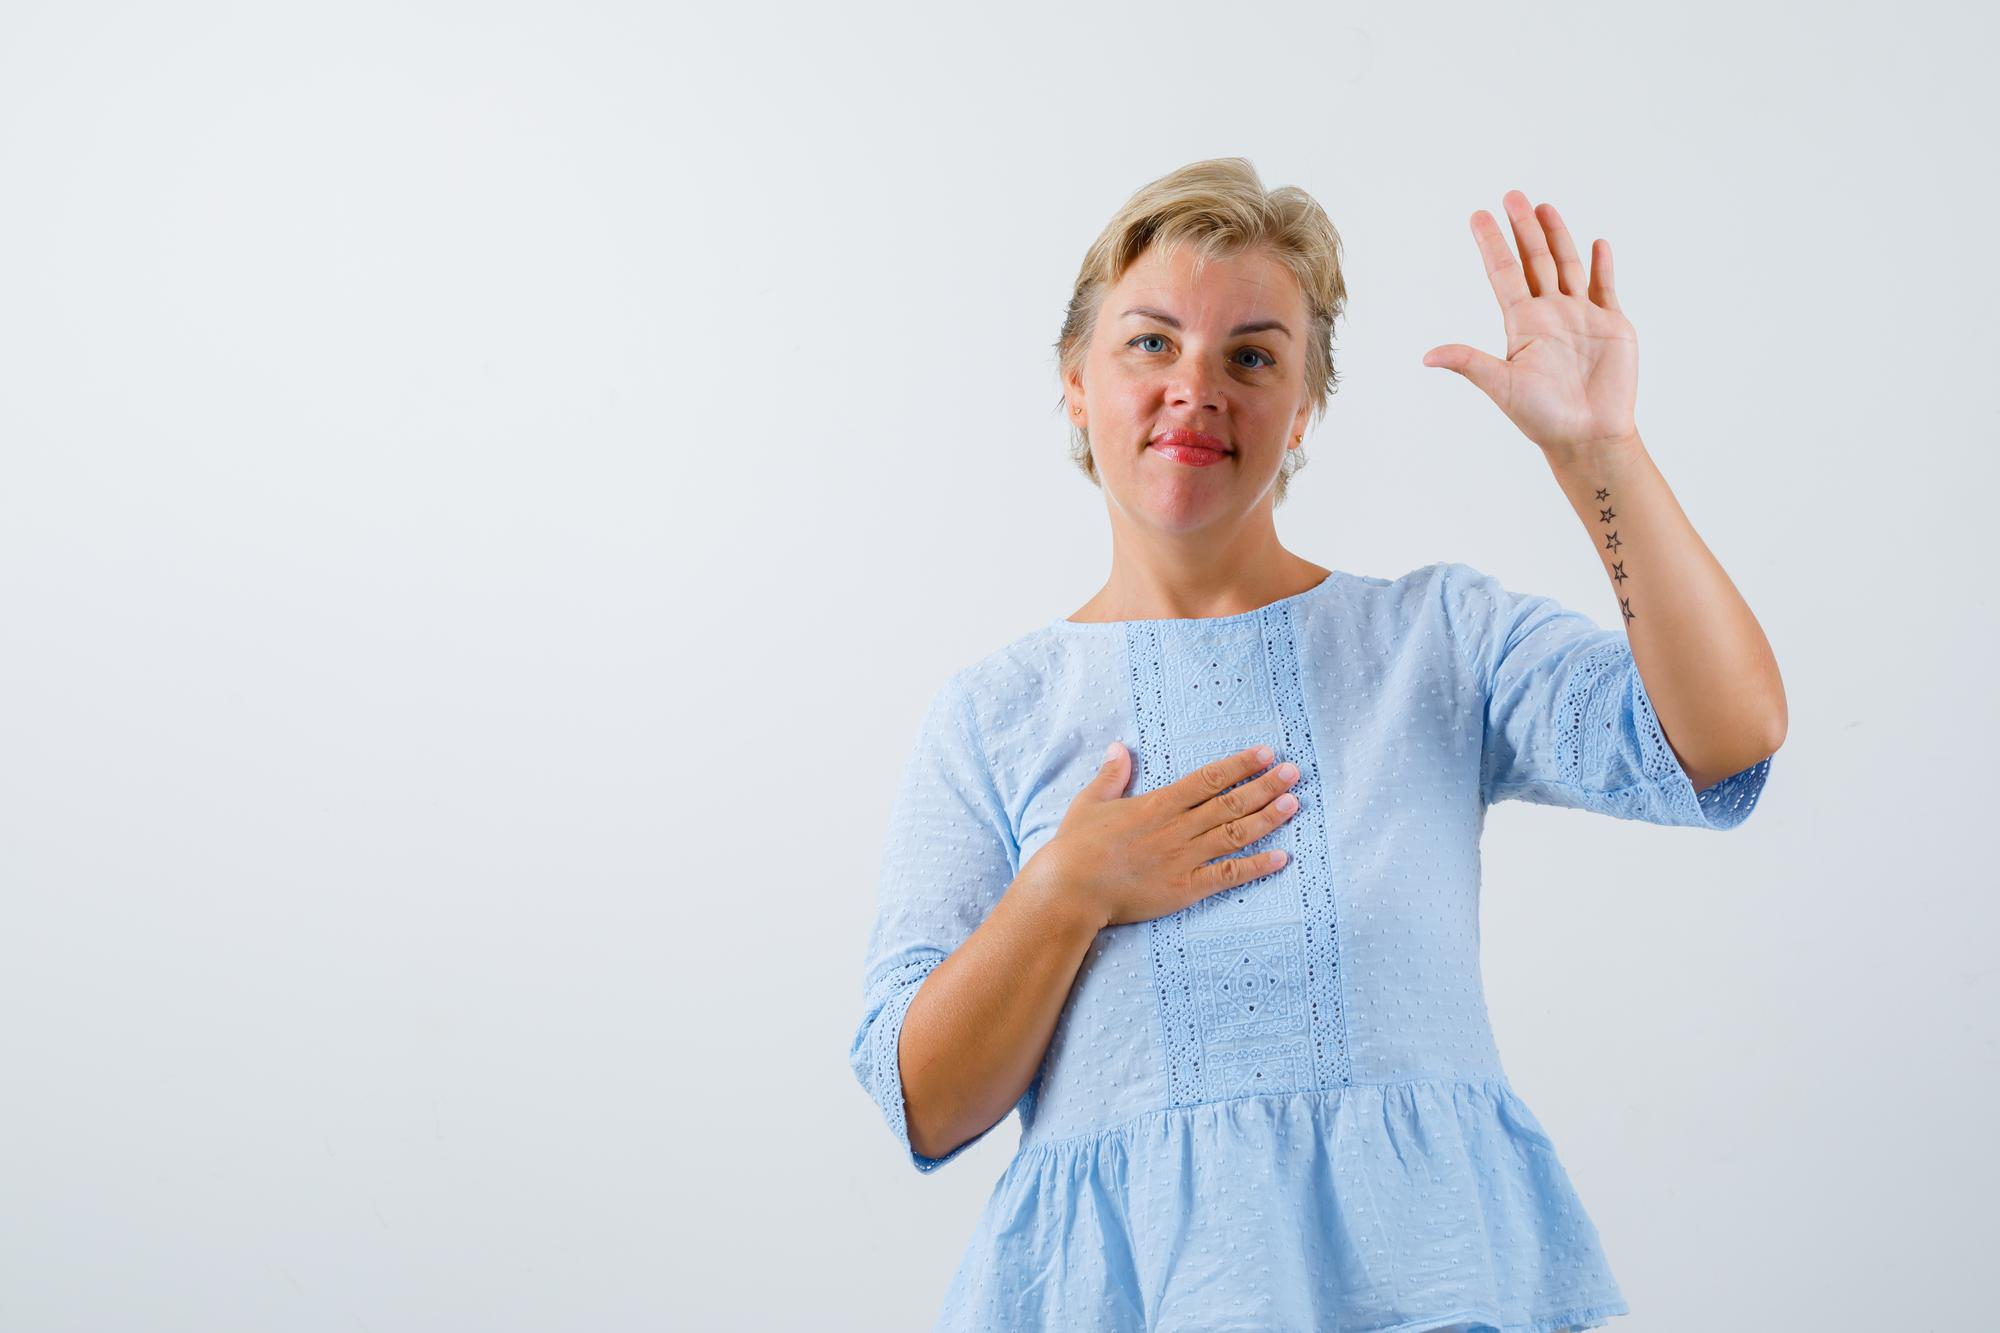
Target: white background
489	488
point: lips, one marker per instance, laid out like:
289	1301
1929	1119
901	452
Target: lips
1190	439
1190	448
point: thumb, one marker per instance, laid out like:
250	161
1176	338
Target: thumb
1114	774
1488	373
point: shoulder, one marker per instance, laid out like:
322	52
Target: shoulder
1460	594
989	694
1445	578
1439	611
1429	599
1433	579
1031	664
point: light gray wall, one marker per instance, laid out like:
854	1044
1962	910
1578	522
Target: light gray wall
488	488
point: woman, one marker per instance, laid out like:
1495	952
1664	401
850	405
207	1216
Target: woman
1227	968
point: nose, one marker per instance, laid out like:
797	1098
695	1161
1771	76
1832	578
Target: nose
1192	383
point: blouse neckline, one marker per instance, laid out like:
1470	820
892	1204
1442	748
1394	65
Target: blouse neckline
1219	622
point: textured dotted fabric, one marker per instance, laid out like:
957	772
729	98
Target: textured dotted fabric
1281	1107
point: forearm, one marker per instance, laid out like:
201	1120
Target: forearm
1707	666
975	1033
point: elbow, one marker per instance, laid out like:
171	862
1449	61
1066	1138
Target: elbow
1769	738
1774	730
1720	765
1775	719
918	1101
922	1144
923	1141
1761	739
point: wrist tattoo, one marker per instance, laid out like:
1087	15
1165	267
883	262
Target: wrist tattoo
1611	543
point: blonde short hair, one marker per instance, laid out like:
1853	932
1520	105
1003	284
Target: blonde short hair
1221	209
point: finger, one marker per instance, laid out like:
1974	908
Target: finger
1486	371
1534	243
1114	774
1239	802
1510	285
1214	777
1601	290
1233	835
1569	268
1219	875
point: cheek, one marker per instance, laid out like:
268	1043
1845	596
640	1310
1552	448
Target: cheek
1134	394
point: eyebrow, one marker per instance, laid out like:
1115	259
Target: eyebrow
1254	326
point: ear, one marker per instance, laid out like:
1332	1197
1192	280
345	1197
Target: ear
1074	398
1299	420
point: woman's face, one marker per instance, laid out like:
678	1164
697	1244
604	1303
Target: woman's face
1223	356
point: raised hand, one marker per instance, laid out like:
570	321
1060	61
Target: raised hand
1571	376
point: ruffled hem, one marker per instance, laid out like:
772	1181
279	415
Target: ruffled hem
1383	1207
1462	1321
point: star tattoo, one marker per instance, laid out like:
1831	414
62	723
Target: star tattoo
1603	494
1626	603
1611	542
1606	516
1619	575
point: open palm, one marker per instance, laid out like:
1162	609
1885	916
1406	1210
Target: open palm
1571	376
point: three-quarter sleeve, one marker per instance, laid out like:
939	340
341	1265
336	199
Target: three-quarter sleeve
1567	717
947	857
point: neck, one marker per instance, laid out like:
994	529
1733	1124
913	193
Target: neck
1160	581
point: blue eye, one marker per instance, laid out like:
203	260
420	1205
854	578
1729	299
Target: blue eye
1144	337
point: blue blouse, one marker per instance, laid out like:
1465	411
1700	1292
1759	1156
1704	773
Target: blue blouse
1281	1107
